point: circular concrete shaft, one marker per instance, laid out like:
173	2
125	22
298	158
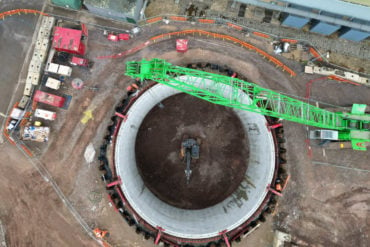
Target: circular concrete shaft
207	222
223	155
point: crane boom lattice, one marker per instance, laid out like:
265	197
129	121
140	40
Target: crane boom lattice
228	91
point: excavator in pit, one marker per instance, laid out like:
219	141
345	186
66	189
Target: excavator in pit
189	153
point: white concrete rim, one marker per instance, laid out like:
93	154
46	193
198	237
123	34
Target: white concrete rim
203	223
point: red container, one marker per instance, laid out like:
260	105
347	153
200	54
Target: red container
181	45
48	98
68	40
123	36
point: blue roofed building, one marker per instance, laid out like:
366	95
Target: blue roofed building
350	19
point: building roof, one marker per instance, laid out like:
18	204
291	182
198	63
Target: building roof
67	39
330	11
336	6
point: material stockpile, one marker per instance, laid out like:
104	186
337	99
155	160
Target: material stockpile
33	133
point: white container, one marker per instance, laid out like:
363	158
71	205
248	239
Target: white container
59	69
65	70
53	68
48	115
27	89
53	83
17	113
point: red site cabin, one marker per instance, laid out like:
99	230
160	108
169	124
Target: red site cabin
48	98
68	40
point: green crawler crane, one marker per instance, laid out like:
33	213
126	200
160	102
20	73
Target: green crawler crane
351	126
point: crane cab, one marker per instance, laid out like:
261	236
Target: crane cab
324	135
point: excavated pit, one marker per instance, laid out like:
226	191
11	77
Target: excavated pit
223	158
243	205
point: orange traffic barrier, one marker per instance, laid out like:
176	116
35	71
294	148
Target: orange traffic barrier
25	149
233	39
206	21
292	41
155	19
5	131
34	105
263	35
178	18
21	11
8	137
25	118
218	36
337	78
235	26
315	54
278	187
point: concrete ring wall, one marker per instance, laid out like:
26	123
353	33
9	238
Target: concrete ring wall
203	223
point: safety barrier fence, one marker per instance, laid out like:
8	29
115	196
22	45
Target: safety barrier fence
121	204
5	130
200	32
315	54
241	24
21	11
8	136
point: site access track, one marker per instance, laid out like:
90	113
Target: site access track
244	44
354	126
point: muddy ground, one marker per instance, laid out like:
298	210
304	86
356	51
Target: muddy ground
326	203
223	152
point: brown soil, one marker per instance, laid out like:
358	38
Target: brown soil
30	210
322	205
223	152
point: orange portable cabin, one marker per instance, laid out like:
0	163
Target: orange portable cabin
181	45
48	98
68	40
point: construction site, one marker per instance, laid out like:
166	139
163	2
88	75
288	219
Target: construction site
184	123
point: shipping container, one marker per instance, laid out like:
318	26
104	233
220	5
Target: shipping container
48	98
52	83
24	101
59	69
48	115
68	40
